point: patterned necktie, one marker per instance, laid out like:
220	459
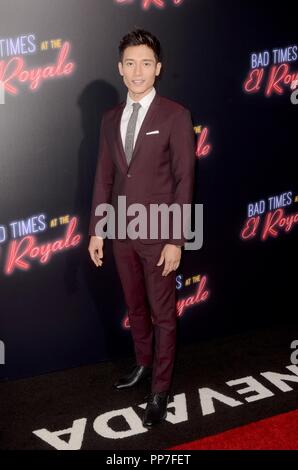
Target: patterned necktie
130	133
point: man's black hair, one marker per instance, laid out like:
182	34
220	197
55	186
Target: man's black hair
139	37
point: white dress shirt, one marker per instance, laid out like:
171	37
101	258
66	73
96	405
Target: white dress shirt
127	112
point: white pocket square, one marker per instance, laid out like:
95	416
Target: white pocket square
152	132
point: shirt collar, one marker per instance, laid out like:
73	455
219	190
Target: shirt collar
145	101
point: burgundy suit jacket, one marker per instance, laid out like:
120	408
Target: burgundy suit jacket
162	166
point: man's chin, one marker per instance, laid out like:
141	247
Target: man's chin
138	91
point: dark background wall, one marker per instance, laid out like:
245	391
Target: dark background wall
65	312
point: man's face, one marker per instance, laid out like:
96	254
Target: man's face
139	69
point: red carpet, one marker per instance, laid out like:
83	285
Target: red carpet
82	400
277	433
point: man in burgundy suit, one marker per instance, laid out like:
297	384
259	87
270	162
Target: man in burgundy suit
147	154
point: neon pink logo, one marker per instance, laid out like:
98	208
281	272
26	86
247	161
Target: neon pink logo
146	4
279	77
200	296
274	223
22	252
14	71
203	147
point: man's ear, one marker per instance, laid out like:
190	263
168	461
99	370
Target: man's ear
120	68
158	68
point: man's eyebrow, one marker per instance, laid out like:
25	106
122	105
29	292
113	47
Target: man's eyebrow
147	60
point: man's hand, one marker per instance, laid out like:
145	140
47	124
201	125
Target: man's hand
171	255
96	250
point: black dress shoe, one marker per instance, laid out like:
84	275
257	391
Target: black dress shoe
156	410
136	375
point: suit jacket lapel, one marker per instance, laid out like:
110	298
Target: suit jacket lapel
123	160
143	129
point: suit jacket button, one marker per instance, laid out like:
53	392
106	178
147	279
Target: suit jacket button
128	175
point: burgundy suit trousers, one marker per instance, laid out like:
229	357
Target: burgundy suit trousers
151	304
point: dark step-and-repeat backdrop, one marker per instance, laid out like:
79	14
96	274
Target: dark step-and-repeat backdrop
234	65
